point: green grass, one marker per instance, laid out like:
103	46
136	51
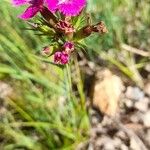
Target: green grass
44	112
127	22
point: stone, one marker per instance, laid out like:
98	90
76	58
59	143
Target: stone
107	90
136	117
106	143
134	145
117	142
147	67
147	89
142	105
146	119
122	135
128	103
124	147
134	93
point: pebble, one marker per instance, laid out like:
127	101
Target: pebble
142	105
128	103
122	135
134	145
134	93
136	117
147	67
123	147
147	88
146	119
106	143
117	142
94	120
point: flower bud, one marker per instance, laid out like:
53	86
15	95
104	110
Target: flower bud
83	32
100	27
61	57
46	51
68	47
66	28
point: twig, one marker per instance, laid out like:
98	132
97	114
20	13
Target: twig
135	50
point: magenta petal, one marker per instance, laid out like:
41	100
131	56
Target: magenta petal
64	58
52	5
72	7
29	12
61	58
19	2
67	7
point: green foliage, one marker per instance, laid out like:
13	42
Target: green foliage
44	113
127	22
124	20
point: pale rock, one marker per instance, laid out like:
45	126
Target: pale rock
122	135
136	117
134	145
134	93
123	147
147	67
94	120
117	142
106	143
106	92
146	119
128	103
142	105
147	89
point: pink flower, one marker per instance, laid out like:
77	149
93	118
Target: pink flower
61	58
34	7
67	7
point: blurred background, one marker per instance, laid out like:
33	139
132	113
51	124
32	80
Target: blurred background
39	110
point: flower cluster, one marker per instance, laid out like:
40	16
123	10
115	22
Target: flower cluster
62	56
67	7
58	22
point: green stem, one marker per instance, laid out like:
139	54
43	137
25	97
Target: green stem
69	77
80	83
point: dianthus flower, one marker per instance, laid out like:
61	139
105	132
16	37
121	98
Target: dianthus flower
67	7
34	7
61	57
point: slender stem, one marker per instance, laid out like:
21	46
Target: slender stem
68	81
80	83
69	77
